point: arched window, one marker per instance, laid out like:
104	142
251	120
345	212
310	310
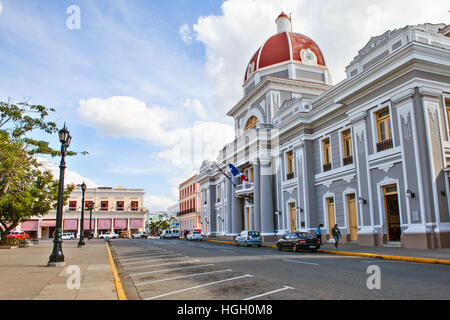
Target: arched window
251	123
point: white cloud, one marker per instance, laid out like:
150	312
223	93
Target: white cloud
70	177
186	33
195	106
182	145
157	203
340	28
1	7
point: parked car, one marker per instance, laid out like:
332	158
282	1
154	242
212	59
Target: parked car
18	235
175	233
249	238
194	235
166	234
68	236
140	235
109	234
299	240
125	234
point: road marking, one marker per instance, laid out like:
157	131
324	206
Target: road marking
162	264
157	256
267	293
163	270
143	250
316	264
144	261
139	253
377	261
199	286
226	250
180	277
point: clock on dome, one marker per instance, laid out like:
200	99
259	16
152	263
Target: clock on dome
308	57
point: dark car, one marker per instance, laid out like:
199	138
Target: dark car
298	240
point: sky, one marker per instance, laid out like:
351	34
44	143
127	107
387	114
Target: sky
144	85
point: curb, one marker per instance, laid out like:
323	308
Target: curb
365	255
117	283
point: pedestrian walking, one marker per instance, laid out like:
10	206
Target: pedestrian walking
337	235
319	233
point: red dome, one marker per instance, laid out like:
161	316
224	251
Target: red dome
283	47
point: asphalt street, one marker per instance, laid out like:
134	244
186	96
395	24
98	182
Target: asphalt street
183	270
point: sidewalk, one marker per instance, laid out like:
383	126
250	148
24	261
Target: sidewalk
24	275
441	254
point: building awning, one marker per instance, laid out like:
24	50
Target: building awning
120	223
135	223
104	224
48	223
30	225
70	224
86	224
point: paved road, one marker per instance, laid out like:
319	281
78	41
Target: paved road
182	270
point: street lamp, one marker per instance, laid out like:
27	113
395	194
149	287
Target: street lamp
56	258
90	207
81	241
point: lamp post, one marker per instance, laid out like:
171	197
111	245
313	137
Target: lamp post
81	241
90	207
56	258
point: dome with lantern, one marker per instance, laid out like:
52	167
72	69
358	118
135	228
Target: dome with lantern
289	55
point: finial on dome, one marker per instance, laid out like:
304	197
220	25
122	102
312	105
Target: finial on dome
283	23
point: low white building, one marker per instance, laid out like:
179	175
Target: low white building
115	209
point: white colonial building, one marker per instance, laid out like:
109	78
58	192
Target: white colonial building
371	153
114	209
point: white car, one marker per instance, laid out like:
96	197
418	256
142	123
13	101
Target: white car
109	234
140	235
68	236
194	235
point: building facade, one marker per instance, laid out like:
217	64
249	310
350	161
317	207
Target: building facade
371	154
117	209
189	214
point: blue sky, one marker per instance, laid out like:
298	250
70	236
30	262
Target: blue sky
142	83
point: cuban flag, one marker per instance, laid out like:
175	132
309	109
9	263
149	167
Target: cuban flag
235	171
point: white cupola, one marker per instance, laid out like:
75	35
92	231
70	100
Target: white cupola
283	23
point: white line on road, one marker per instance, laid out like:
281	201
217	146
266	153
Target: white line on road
143	250
199	286
375	261
172	269
146	257
140	253
162	264
180	277
152	260
226	250
267	293
315	264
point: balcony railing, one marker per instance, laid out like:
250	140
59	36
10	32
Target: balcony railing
186	211
348	160
290	176
384	145
327	166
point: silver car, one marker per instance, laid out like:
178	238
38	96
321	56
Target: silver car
249	238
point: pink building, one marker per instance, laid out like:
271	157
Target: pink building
189	205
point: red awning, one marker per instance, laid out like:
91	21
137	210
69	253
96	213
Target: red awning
30	225
135	223
48	223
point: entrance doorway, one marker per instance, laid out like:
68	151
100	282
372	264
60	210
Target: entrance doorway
331	218
392	213
293	215
352	220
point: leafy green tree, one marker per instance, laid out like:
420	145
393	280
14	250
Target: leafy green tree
26	190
